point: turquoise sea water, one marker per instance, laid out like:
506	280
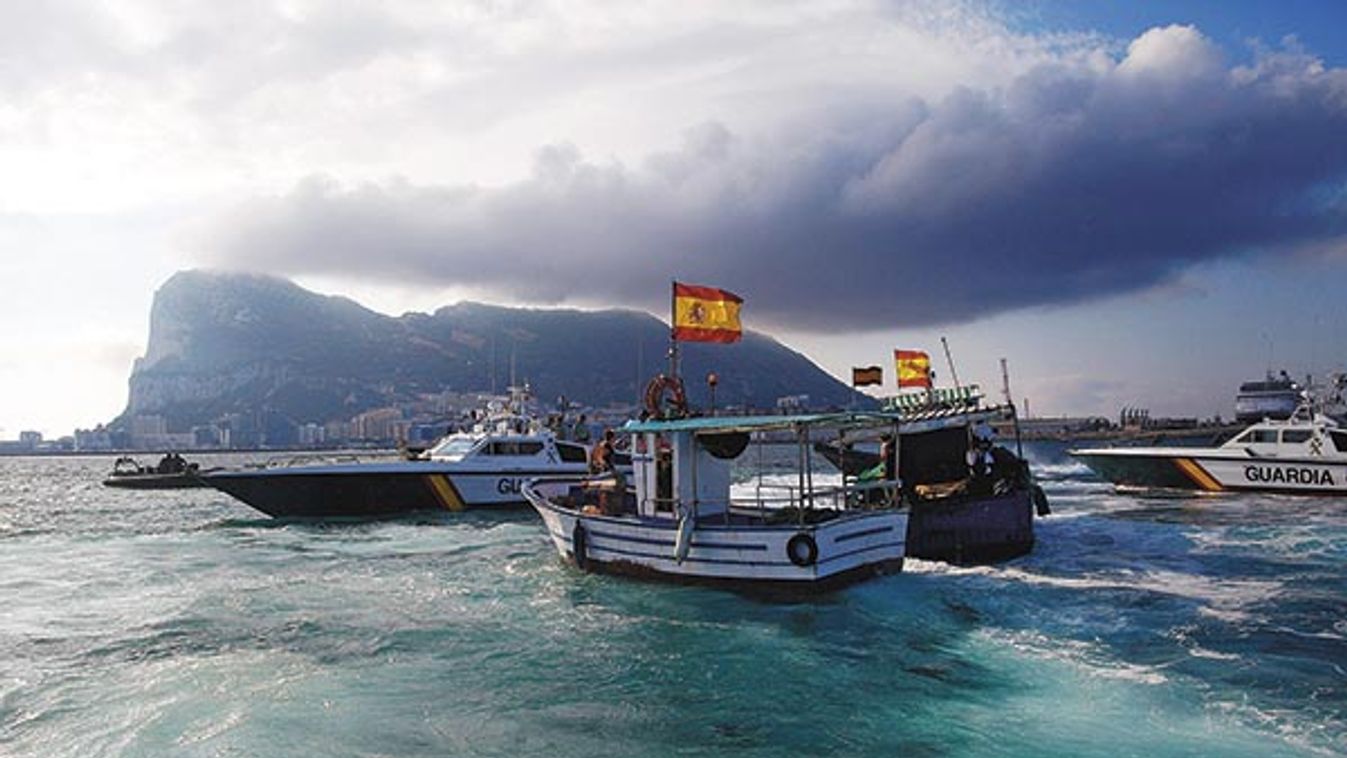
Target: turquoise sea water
181	624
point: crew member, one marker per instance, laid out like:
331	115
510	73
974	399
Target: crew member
613	492
580	432
980	457
888	455
601	457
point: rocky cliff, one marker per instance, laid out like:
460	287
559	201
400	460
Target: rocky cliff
235	343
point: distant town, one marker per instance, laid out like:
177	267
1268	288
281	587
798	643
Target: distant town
431	416
416	423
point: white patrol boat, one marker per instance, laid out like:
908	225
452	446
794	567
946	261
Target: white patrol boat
682	522
485	466
1304	454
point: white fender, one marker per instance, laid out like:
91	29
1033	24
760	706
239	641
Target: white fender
686	523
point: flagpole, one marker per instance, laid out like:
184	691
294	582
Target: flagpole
950	359
673	321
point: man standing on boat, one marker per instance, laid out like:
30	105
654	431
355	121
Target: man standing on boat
601	463
580	432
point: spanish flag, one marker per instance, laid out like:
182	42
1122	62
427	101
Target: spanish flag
862	376
705	314
914	368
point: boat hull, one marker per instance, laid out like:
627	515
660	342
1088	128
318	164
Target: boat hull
155	481
369	492
846	549
1206	472
972	530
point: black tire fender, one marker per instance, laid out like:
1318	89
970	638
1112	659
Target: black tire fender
580	546
1041	501
802	550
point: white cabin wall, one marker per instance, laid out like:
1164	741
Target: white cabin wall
709	478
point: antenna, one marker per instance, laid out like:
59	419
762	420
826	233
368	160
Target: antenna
1005	383
513	344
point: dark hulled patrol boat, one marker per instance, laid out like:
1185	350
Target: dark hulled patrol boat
482	467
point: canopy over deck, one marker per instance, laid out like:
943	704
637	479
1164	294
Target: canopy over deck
911	420
724	424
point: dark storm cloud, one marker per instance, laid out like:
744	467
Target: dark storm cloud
1083	177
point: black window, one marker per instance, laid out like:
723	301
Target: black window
1295	436
1265	435
514	447
1340	441
572	453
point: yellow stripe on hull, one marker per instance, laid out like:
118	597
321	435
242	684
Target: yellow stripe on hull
445	492
1198	474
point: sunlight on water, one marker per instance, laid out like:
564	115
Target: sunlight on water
184	624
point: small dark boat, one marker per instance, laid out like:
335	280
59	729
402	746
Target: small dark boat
171	473
960	512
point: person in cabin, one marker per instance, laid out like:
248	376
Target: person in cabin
982	438
580	432
888	456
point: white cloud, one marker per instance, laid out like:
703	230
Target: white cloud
598	146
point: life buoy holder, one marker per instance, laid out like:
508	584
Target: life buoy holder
580	546
665	398
802	550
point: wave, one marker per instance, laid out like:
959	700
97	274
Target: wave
1227	599
1070	469
1090	657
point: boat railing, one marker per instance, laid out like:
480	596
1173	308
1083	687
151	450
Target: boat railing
838	497
312	459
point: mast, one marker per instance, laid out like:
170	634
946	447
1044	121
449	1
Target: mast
673	326
954	375
1014	416
640	359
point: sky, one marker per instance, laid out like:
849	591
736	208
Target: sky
1135	204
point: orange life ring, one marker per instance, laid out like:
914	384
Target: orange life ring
665	398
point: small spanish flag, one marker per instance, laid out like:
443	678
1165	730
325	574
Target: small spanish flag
705	314
862	376
914	368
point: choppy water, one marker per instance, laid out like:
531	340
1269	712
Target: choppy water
180	624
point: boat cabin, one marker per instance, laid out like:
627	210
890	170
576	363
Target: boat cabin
1298	437
685	466
497	448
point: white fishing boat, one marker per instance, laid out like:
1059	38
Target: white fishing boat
1303	454
682	520
483	466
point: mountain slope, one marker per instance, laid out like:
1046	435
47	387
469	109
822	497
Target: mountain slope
223	343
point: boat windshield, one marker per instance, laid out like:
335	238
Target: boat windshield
453	447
